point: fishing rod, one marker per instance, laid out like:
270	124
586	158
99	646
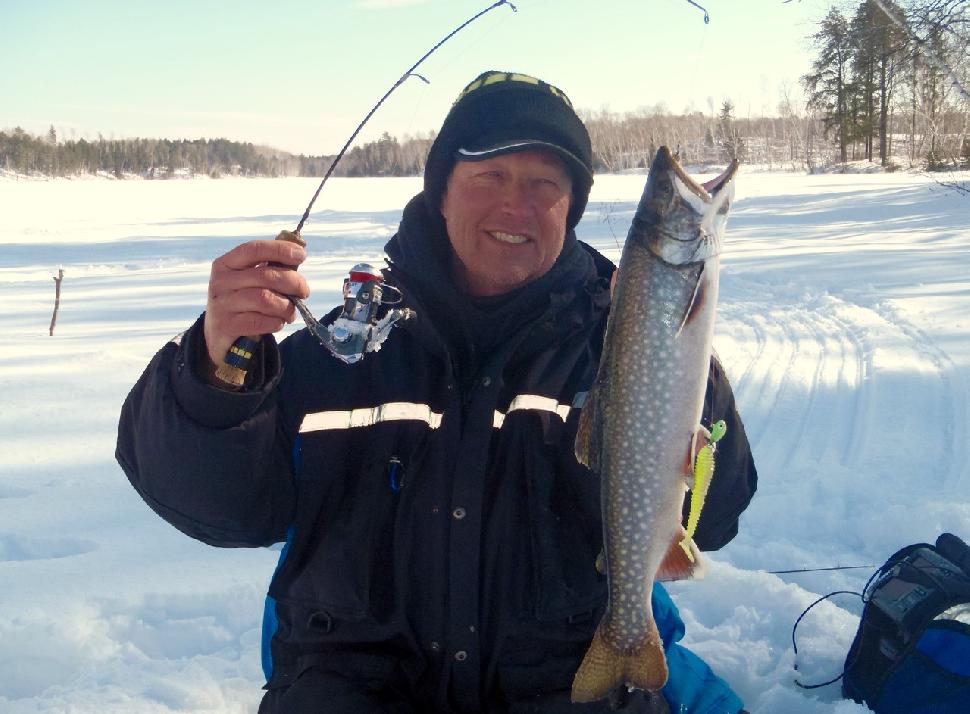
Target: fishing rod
817	570
707	17
371	333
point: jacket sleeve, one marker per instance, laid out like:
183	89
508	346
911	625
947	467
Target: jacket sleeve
735	478
215	464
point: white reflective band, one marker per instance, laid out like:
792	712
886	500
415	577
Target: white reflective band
505	147
368	416
536	402
409	411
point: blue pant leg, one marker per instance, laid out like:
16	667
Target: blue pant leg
692	687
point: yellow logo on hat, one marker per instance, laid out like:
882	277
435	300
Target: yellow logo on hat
487	78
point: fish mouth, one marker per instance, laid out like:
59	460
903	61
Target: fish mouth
714	186
705	191
683	219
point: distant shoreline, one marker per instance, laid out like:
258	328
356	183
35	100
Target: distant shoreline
852	167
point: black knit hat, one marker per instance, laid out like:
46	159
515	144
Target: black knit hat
504	112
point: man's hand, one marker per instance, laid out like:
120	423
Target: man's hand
247	295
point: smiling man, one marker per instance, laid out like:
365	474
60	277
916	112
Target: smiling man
506	219
440	535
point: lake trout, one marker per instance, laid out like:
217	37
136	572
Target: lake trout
641	421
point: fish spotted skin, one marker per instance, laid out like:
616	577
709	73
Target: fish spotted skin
642	415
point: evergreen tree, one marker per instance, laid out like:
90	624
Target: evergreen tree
864	61
829	84
731	140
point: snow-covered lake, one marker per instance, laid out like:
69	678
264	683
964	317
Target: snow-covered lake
844	324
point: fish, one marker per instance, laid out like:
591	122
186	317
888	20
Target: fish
640	425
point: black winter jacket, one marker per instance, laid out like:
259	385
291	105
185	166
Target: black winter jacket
441	536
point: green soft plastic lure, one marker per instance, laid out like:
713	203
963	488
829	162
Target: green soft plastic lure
703	472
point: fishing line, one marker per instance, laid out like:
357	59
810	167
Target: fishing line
698	64
864	596
795	644
794	629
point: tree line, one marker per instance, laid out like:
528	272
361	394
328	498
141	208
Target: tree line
21	152
888	83
24	153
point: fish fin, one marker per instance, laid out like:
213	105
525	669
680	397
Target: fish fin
588	433
603	669
690	456
601	562
682	562
697	300
702	433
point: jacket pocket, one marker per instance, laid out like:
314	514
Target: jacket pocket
348	523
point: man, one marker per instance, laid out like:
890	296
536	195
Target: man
439	551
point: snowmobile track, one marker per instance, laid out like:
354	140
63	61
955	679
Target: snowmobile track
825	380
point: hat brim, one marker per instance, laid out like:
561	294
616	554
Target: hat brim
575	165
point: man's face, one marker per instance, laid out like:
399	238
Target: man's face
506	219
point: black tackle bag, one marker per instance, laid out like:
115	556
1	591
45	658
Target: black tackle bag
911	654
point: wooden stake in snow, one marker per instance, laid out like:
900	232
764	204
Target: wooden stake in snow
57	297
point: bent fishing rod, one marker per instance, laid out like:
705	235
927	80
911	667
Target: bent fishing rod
238	359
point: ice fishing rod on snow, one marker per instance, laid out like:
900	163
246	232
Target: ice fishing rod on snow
357	330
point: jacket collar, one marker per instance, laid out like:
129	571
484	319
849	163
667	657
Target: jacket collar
574	290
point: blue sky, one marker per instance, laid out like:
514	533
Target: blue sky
300	75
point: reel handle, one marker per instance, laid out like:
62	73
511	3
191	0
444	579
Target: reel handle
238	359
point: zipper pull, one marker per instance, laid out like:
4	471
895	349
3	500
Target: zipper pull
395	474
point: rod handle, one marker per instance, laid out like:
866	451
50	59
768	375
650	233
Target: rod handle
239	358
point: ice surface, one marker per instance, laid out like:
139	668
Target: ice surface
844	325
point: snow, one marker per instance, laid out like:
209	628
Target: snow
844	324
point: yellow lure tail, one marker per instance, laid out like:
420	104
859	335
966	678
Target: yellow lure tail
703	473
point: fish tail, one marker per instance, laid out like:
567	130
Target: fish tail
604	669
